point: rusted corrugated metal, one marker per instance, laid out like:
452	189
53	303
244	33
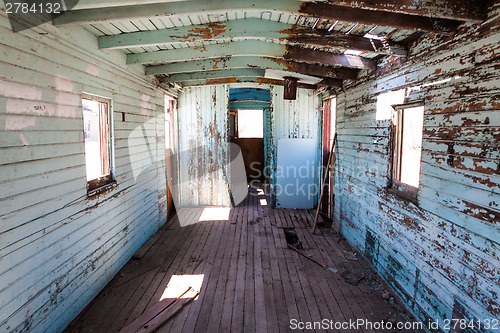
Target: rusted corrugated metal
202	135
442	254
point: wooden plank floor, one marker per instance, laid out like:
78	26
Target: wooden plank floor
252	282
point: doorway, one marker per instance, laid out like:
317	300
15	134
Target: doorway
247	128
169	152
248	134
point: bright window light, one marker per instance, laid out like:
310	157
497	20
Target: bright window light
353	52
371	36
411	145
215	214
250	123
180	283
385	101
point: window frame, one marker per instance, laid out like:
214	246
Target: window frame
396	186
100	184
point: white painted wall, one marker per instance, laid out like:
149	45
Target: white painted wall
58	248
202	148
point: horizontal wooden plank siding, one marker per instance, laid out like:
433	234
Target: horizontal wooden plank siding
58	248
441	254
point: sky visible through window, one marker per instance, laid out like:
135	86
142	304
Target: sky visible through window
250	123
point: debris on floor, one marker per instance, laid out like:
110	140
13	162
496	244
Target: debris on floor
160	313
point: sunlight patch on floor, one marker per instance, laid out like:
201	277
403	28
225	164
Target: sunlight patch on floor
179	283
215	214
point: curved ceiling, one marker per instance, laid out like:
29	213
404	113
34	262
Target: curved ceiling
206	42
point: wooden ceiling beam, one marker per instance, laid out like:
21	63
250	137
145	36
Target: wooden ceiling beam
252	48
254	61
466	10
381	18
316	9
217	74
251	28
229	80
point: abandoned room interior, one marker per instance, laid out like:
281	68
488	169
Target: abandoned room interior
250	166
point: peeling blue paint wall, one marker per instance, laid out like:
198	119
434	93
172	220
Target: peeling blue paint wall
441	255
58	248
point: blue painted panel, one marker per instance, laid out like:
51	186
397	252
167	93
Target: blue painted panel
249	105
249	94
267	142
296	173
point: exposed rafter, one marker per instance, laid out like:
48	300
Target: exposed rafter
251	48
252	61
223	73
317	9
234	72
249	29
396	20
228	80
466	10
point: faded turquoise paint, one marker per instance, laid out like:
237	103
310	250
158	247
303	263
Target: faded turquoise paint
268	138
249	105
96	15
251	28
441	253
249	94
253	61
224	73
256	79
251	48
245	28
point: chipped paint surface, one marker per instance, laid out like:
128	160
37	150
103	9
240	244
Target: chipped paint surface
442	255
297	119
58	247
202	128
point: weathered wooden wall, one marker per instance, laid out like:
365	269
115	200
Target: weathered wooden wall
58	248
442	254
203	150
296	119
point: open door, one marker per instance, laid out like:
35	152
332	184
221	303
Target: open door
246	129
169	152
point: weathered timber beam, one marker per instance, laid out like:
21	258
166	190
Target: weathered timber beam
317	9
235	72
251	48
222	73
251	28
229	80
466	10
382	18
251	61
463	10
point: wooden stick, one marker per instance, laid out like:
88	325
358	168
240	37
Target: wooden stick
305	255
310	258
332	151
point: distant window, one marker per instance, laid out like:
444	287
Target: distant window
97	136
250	123
407	149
